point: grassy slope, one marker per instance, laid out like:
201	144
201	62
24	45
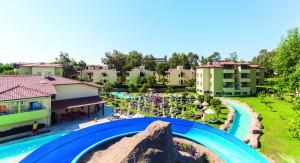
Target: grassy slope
276	141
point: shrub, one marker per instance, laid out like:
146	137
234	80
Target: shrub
208	98
215	102
200	98
132	87
143	89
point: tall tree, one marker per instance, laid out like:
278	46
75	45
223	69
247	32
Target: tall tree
69	64
161	69
264	58
81	66
193	59
215	57
134	59
116	60
149	62
287	60
233	57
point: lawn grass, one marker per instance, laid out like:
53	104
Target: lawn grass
277	142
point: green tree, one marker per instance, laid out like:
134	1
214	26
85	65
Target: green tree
233	57
81	66
134	59
149	62
151	81
264	58
215	102
116	60
6	69
144	88
132	87
193	59
286	62
69	64
161	69
215	57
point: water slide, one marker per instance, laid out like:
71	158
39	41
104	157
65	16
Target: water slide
71	147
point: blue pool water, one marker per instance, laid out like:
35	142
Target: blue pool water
241	122
12	152
122	95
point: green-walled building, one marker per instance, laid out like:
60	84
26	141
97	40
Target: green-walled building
228	79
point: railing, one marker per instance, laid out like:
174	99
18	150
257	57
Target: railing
228	70
15	110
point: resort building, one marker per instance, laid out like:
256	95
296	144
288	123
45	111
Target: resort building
138	73
40	68
180	76
47	99
228	79
103	75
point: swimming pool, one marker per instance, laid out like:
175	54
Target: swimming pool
14	151
122	95
241	122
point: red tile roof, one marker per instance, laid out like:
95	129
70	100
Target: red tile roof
76	102
27	86
40	64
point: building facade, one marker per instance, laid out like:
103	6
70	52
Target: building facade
40	68
103	75
138	73
46	99
228	79
180	76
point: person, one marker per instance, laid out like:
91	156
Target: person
35	126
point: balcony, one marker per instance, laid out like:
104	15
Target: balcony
228	89
245	79
228	71
228	80
245	70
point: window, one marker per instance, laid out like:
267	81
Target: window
227	76
218	93
245	84
200	75
200	83
227	93
237	93
245	93
244	67
244	75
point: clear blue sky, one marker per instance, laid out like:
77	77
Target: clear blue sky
38	30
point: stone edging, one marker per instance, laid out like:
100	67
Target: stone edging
255	130
229	120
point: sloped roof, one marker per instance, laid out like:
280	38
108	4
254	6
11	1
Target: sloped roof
27	86
40	64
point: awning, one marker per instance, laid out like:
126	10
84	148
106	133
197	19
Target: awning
76	102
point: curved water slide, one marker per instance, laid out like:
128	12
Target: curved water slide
71	147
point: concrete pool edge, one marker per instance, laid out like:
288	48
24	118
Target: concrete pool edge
183	127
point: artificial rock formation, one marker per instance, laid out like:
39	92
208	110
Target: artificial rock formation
154	145
229	120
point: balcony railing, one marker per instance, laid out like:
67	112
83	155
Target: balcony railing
15	110
228	70
245	70
228	79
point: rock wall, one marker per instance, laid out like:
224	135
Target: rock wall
153	145
229	120
255	130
